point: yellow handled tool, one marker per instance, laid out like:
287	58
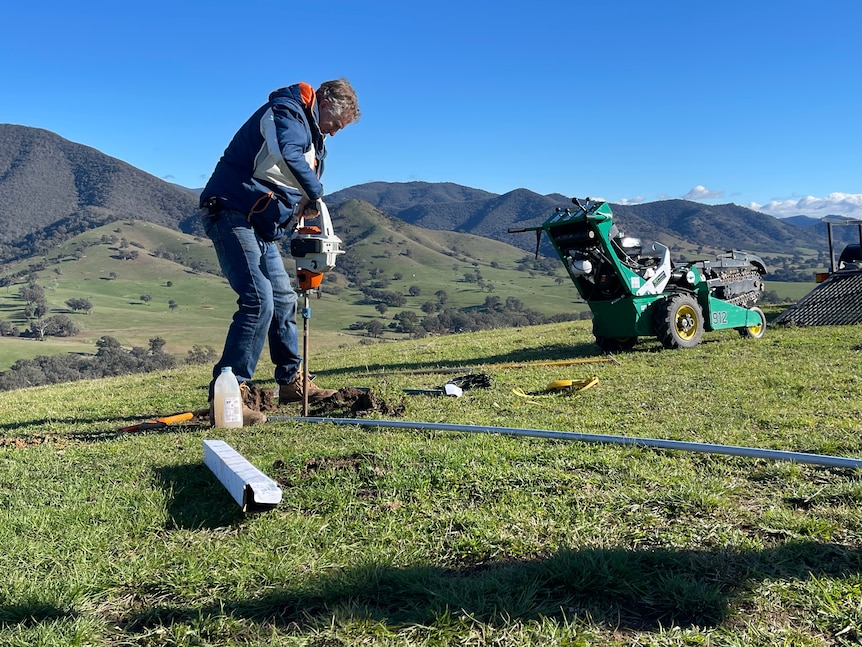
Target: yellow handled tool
575	386
557	386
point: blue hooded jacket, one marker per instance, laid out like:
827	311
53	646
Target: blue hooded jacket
275	159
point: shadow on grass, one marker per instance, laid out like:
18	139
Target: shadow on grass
640	590
550	353
197	499
24	440
31	615
39	422
86	436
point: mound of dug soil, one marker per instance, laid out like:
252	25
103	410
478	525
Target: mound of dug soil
259	399
349	402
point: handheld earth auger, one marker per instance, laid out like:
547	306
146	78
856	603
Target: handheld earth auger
634	291
314	248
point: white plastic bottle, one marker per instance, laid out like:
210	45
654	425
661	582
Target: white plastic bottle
227	400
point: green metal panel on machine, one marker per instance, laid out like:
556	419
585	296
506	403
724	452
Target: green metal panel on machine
634	290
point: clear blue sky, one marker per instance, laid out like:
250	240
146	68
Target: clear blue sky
756	102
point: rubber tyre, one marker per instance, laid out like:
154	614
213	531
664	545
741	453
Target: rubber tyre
615	344
755	332
679	322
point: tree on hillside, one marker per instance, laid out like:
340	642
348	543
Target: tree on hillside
23	373
375	328
61	326
78	304
201	355
114	360
514	303
494	303
110	359
391	299
36	310
32	293
38	328
406	321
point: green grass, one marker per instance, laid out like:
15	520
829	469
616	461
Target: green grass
415	537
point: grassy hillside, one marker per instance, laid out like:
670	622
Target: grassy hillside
417	537
381	251
91	265
440	260
85	267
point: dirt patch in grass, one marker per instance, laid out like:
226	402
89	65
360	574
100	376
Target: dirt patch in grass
259	398
346	402
368	465
353	462
351	402
30	441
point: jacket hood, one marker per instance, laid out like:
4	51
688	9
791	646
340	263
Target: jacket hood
300	93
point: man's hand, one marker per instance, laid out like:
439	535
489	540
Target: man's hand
308	208
312	209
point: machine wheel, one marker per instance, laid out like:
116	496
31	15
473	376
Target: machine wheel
615	344
679	322
758	331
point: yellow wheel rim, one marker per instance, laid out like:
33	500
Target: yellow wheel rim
686	322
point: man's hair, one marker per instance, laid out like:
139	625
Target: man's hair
342	98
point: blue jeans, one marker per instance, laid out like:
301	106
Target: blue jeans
266	304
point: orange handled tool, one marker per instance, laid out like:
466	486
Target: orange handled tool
157	423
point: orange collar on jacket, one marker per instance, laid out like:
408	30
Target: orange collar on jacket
306	93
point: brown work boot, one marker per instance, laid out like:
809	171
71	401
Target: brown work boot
292	392
249	416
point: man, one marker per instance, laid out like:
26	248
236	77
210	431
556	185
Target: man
269	175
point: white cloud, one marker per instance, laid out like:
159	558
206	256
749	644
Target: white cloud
834	204
635	200
700	192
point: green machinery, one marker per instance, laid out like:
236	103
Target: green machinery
635	290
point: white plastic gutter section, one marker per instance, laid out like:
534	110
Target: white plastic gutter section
731	450
249	487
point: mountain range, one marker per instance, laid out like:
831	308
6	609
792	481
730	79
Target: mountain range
51	189
688	224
